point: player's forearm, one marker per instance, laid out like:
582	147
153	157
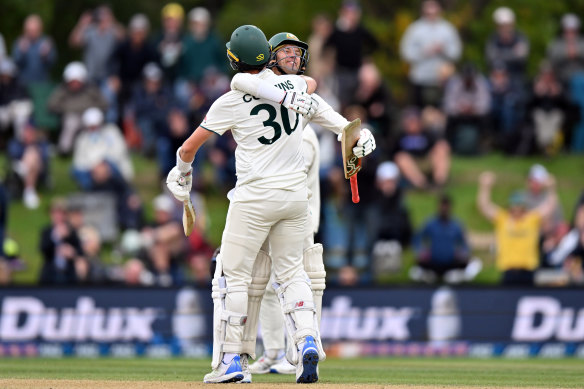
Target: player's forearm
327	117
255	86
189	148
484	202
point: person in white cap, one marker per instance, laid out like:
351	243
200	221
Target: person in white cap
101	162
394	229
507	44
566	52
70	100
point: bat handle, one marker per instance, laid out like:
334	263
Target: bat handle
354	189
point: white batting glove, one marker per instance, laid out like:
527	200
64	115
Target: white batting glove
365	145
180	184
300	102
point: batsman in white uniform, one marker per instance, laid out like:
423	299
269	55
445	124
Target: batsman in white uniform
290	56
270	198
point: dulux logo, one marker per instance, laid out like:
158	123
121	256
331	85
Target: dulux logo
27	318
342	321
543	318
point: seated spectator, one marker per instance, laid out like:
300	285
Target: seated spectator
507	108
549	111
15	104
30	160
467	102
90	268
101	162
375	97
442	250
60	247
70	100
566	52
166	243
559	253
516	230
508	45
134	273
574	263
33	52
419	152
394	228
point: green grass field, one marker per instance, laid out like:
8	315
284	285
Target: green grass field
365	372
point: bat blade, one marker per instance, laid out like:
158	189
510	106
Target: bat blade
351	163
188	218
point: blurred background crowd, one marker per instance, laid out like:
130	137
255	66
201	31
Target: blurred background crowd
87	138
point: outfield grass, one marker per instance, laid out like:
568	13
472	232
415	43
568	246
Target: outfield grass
441	372
25	225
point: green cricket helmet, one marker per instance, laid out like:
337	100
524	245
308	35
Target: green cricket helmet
248	49
299	49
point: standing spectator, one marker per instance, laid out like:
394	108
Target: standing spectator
394	228
516	230
557	255
169	41
566	53
15	103
70	100
351	43
34	53
129	59
319	66
467	102
431	46
98	33
2	47
29	156
508	108
101	162
507	44
419	152
202	50
60	247
442	249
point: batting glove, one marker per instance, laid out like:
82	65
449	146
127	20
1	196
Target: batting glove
365	145
300	102
180	184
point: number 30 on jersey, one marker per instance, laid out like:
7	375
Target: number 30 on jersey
271	122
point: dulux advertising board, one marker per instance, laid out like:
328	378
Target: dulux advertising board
390	321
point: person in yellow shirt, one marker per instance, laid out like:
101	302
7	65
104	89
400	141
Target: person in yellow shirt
516	230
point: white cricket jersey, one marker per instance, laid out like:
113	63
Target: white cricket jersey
311	154
269	163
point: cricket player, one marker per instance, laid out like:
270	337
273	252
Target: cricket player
290	56
270	198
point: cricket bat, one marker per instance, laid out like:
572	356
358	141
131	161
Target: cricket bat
188	218
351	163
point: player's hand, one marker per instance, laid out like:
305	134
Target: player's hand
365	145
180	184
300	102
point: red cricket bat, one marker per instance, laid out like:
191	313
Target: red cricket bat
351	163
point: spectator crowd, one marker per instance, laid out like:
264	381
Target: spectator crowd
136	91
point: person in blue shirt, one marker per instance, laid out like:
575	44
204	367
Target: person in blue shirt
441	248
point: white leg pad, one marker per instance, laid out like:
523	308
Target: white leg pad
314	267
261	272
299	315
222	320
